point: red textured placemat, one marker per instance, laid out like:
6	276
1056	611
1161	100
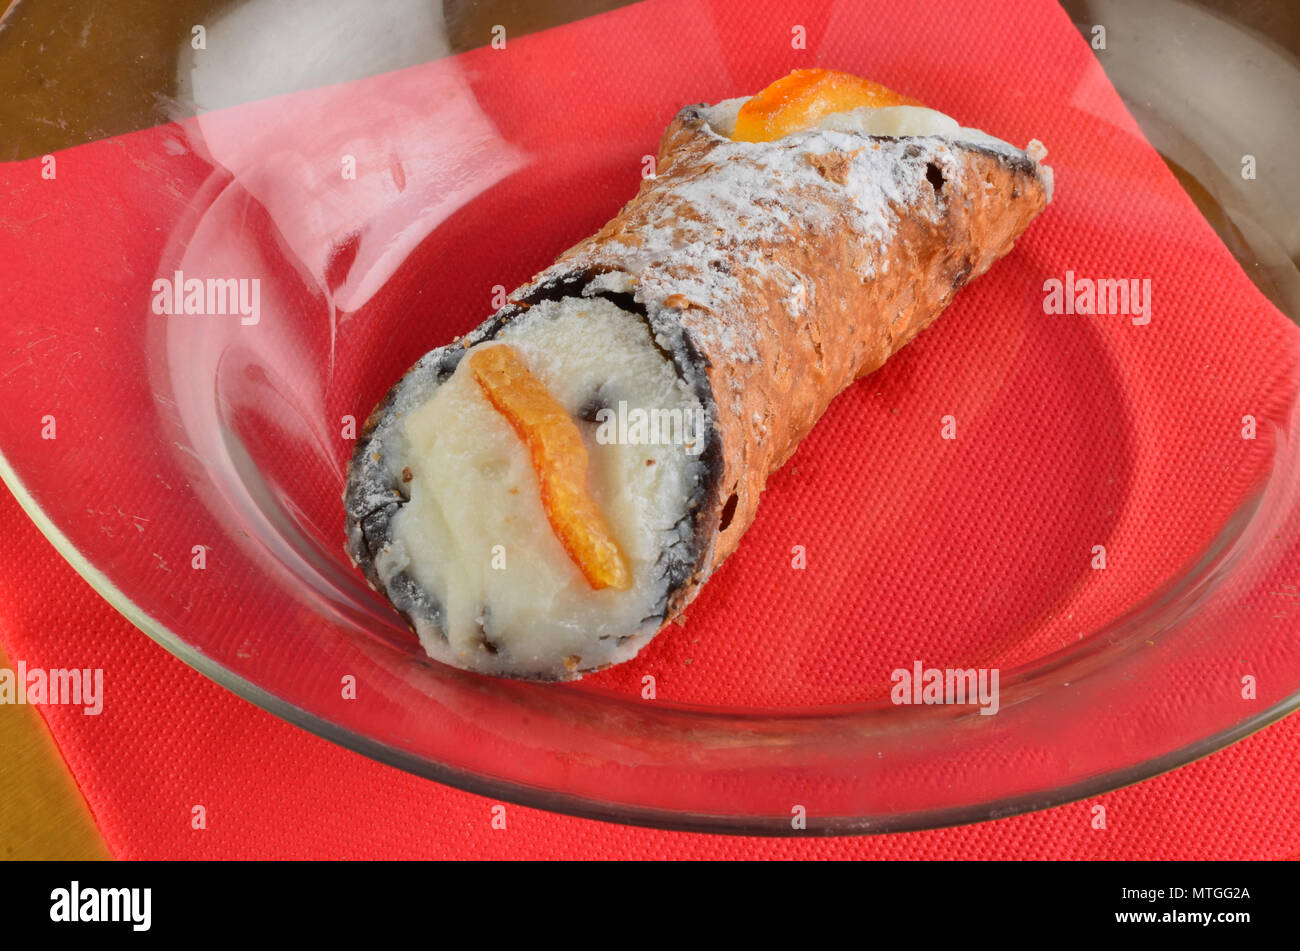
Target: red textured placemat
169	740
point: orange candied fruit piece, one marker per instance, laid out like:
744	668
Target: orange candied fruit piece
805	97
560	460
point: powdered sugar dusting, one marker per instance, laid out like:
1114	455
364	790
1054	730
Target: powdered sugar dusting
713	222
691	237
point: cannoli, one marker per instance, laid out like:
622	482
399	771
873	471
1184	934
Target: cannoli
539	498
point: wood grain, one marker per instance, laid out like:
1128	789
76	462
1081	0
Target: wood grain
42	812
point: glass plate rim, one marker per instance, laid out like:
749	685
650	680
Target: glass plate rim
585	807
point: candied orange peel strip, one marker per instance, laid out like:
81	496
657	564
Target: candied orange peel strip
805	97
560	460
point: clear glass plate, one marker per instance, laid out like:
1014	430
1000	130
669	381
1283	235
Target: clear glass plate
200	495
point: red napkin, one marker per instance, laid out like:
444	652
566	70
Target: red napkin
170	740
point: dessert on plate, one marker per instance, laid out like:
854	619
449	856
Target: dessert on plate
539	498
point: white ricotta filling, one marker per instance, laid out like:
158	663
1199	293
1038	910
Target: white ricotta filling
475	534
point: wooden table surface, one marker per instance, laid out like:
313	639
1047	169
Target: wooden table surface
42	813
